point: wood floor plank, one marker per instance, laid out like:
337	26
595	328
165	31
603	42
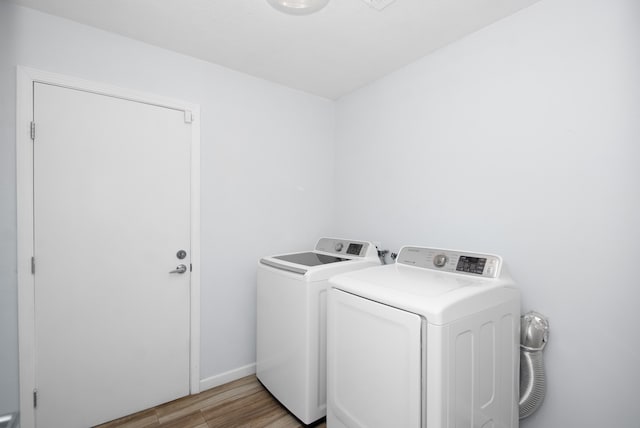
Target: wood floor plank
144	419
242	411
288	421
243	403
192	420
213	397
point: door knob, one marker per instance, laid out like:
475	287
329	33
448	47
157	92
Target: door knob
179	269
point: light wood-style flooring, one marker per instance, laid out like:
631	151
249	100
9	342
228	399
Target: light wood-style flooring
242	403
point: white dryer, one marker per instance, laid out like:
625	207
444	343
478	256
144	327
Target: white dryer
291	320
431	341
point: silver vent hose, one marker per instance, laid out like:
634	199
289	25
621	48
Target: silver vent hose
534	333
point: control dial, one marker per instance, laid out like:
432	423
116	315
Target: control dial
440	260
339	246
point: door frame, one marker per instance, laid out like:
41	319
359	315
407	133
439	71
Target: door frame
25	79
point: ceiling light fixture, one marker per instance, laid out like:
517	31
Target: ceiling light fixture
298	7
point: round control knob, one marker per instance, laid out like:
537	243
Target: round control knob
339	246
440	260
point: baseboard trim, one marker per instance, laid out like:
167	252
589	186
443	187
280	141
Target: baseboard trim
226	377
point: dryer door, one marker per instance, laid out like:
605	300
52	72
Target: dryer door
374	364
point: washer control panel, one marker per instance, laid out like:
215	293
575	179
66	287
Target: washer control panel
342	246
461	262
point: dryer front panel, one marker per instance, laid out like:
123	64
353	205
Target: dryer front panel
374	364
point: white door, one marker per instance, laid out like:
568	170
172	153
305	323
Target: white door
111	212
374	364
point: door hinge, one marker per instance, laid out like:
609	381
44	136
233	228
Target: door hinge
33	131
188	116
33	265
35	398
190	267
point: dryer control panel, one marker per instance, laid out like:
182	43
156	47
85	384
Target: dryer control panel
461	262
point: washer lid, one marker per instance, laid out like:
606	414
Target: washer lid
330	257
310	258
314	266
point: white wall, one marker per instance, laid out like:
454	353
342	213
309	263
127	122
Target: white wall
267	168
522	139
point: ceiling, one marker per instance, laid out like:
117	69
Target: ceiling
344	46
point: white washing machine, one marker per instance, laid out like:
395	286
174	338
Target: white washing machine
291	321
431	341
